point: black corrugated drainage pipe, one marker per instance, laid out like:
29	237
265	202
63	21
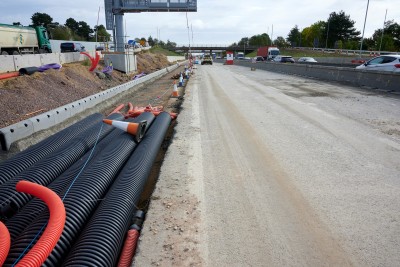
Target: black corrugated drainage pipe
11	167
82	199
101	241
30	211
28	70
49	168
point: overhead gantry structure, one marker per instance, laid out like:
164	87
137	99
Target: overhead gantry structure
115	10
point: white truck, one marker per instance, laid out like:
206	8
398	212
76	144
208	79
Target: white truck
16	40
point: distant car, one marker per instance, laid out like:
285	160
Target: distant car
382	63
207	60
259	59
197	61
307	59
284	59
71	47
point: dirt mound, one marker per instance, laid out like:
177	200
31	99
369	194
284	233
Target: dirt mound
27	96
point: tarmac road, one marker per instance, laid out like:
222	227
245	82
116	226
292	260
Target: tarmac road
268	169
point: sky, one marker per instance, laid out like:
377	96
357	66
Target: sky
215	22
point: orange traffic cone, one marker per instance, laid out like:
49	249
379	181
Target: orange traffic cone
135	129
175	91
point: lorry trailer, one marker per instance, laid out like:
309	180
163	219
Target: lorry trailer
16	40
268	52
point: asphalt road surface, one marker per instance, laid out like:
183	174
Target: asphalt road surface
267	169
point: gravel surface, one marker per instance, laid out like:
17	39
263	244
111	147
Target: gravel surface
274	170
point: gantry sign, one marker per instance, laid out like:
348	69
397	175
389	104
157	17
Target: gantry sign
115	10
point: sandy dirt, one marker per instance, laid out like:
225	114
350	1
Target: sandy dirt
273	170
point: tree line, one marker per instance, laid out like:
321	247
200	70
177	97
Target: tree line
336	32
81	31
71	30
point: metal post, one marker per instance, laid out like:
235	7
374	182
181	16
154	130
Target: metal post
365	21
327	32
383	29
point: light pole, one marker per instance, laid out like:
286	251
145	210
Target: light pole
327	32
383	29
365	21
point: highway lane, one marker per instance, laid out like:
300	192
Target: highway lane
268	169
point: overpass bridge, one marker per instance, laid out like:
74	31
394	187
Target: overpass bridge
214	47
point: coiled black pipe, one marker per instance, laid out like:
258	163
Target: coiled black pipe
30	211
102	239
83	197
48	169
23	160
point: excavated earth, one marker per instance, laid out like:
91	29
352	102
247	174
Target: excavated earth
27	96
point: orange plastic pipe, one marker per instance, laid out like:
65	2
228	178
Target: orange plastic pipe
42	249
129	248
5	241
9	75
118	109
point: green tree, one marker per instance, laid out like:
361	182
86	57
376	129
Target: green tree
41	19
102	34
260	40
340	27
84	30
311	36
391	37
72	24
61	33
294	36
280	42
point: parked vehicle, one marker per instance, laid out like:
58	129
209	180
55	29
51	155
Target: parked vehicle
382	63
207	60
268	52
15	40
307	59
71	47
240	55
259	59
284	59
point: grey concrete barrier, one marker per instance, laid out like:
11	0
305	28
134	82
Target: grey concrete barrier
388	81
23	129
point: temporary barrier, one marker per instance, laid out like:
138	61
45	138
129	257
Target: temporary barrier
229	58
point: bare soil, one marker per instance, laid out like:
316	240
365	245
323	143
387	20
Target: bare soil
27	96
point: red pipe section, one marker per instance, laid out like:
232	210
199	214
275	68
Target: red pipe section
5	241
129	248
42	249
94	60
117	109
9	75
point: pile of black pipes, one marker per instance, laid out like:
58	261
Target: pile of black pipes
49	168
83	197
101	241
23	160
30	211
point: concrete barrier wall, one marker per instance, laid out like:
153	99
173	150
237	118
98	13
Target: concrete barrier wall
20	130
14	63
175	58
378	80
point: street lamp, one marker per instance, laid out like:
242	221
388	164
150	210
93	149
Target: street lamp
326	43
365	21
